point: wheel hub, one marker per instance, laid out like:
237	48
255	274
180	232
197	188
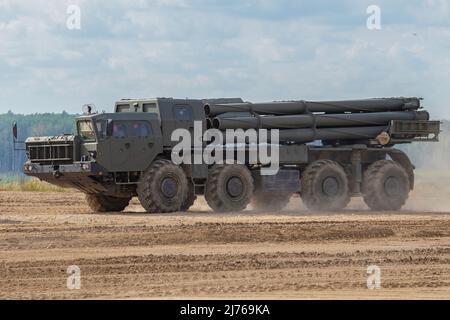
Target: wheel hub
392	186
169	187
235	187
330	186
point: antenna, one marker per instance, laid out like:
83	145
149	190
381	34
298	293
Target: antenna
14	130
15	142
15	139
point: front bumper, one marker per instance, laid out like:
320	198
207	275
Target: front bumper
88	167
84	176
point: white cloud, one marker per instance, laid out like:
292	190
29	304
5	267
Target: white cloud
258	50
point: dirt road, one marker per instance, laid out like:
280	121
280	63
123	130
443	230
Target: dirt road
200	254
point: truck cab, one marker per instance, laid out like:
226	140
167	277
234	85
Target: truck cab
120	142
105	144
106	157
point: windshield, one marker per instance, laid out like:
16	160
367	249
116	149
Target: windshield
86	130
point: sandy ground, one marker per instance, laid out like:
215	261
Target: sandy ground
199	254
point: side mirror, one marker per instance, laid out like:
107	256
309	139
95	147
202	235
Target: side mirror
14	130
109	127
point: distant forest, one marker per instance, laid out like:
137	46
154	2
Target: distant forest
426	156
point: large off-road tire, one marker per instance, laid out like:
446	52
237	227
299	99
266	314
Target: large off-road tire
102	203
385	186
190	198
229	188
325	186
270	201
163	187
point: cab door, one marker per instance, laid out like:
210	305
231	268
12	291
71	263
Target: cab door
120	146
134	144
147	143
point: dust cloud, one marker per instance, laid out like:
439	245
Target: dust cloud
431	194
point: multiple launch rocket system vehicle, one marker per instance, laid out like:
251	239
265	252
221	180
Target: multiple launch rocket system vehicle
329	151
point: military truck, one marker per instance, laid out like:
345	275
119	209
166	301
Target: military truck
329	151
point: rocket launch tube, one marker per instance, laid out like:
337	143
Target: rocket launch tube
300	107
248	121
329	134
344	133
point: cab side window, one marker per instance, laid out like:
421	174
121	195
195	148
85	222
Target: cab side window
123	108
141	129
183	112
149	107
102	129
119	130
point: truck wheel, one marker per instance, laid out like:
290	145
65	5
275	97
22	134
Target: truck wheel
385	186
163	187
325	186
268	201
229	188
191	197
102	203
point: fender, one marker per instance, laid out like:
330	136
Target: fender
401	157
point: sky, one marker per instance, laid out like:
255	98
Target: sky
260	50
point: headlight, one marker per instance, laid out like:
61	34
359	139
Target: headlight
86	166
28	168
